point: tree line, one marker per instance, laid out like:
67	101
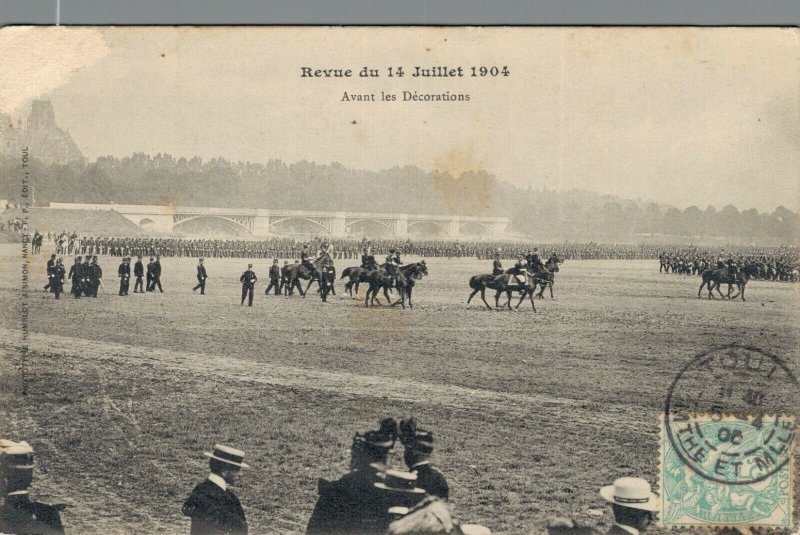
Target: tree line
542	214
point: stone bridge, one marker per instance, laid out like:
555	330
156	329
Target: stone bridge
263	222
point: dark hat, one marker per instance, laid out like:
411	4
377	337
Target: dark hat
249	265
275	261
199	259
52	256
227	454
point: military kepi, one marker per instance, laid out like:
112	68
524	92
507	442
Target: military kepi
228	455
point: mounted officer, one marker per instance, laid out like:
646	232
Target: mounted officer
393	262
305	258
367	258
497	266
533	260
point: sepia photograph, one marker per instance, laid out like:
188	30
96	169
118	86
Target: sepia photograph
399	280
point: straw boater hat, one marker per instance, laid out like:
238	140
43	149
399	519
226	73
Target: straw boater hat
632	492
226	454
399	481
16	454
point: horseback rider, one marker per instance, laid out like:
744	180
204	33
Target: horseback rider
393	262
305	258
497	266
367	258
733	269
534	262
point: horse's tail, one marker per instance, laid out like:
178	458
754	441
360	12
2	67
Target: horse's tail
345	272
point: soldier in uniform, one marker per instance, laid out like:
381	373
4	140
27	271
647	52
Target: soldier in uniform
157	275
57	280
274	278
352	505
95	276
633	504
50	265
18	513
138	272
124	272
285	278
76	276
201	277
305	258
534	262
212	507
497	266
367	258
248	280
150	269
418	448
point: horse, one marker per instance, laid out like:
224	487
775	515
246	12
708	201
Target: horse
382	278
714	278
357	275
294	272
505	282
545	277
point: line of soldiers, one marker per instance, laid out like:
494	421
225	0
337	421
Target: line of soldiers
371	498
782	265
86	276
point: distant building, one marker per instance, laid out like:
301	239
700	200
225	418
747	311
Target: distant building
45	140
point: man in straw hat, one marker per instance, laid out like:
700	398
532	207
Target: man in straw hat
19	514
417	456
352	504
213	508
633	504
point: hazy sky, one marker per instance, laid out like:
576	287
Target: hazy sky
681	116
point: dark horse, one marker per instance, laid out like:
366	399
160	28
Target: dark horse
403	279
294	272
357	275
545	277
504	283
714	278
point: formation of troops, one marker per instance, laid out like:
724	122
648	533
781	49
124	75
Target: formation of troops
781	264
86	276
370	498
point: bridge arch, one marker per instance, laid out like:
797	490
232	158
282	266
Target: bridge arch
211	217
146	223
436	226
474	227
317	224
385	226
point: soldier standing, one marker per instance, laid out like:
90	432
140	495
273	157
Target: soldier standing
57	282
50	265
76	276
138	272
157	275
20	514
274	278
124	272
248	280
201	277
212	507
95	276
150	270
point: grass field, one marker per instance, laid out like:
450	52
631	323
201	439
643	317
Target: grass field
532	413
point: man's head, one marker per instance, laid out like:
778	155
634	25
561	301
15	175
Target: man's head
226	462
200	260
373	446
632	501
275	262
52	256
249	266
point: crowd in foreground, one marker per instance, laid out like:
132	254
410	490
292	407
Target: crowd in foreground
71	243
371	498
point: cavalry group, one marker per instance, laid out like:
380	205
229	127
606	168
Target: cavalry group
731	270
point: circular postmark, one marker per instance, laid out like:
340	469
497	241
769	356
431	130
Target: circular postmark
729	414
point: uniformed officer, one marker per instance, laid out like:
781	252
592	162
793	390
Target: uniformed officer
305	258
633	504
274	278
202	275
285	278
50	265
534	262
57	281
95	276
497	266
18	513
150	270
138	272
212	507
124	273
76	276
367	258
248	280
157	275
418	448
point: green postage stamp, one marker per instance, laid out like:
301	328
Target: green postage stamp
725	471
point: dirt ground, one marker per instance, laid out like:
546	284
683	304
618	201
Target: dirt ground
531	412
